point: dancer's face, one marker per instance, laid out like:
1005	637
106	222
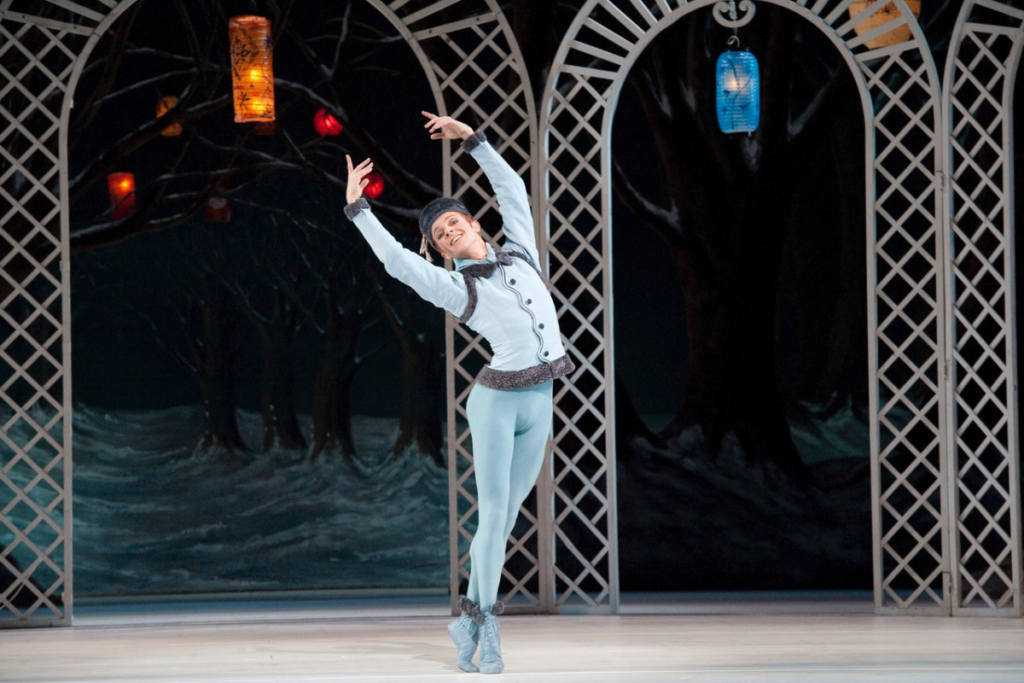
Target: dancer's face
456	235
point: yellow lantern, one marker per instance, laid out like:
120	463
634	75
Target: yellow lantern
252	69
880	18
163	105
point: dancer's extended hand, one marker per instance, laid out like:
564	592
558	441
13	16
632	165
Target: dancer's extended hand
357	179
446	128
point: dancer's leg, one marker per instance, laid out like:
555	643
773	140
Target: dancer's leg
492	420
532	430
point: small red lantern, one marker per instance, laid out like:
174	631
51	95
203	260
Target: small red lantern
326	124
374	186
217	210
121	187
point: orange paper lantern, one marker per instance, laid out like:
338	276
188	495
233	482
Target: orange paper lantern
881	17
163	105
374	186
121	187
326	124
252	69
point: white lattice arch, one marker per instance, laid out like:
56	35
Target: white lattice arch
984	441
900	96
472	62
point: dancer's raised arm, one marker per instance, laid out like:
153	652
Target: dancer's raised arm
509	188
440	287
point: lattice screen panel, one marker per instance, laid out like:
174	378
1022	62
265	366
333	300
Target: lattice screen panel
985	478
906	326
39	45
476	68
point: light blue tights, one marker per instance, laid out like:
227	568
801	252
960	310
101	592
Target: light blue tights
510	430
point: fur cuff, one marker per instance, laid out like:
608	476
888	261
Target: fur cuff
470	609
355	207
470	143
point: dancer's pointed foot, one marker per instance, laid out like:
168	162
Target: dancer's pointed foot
465	632
490	641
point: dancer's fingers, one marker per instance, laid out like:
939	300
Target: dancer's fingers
348	160
440	122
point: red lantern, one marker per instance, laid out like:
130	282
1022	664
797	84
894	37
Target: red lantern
326	124
121	187
217	210
374	186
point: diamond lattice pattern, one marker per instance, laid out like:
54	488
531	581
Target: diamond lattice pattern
35	64
479	78
908	332
984	444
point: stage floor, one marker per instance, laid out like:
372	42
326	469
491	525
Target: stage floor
656	638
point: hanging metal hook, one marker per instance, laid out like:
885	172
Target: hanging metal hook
726	14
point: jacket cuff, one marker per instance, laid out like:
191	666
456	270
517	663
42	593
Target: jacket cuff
351	210
473	141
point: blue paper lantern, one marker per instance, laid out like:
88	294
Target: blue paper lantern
738	92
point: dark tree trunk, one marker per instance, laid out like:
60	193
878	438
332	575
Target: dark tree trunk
277	403
332	388
734	385
845	367
422	375
628	424
216	374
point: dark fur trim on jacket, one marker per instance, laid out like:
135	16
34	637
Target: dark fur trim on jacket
520	379
471	306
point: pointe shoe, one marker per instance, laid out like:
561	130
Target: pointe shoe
490	641
465	632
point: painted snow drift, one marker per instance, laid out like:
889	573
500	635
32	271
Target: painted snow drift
155	515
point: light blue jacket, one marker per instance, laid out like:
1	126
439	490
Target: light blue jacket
513	310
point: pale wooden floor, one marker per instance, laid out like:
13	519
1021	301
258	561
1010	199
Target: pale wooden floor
657	640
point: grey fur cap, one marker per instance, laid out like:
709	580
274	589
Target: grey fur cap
434	209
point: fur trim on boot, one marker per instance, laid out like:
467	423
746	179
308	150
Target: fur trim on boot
471	608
